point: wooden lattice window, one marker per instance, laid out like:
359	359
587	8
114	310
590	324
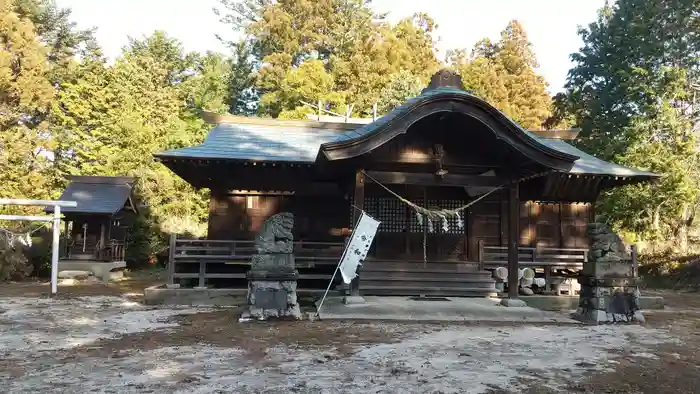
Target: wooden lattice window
388	210
351	201
392	215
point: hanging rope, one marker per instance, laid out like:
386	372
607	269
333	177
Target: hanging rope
435	214
25	237
441	215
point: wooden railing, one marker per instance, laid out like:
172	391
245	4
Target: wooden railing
206	253
115	251
491	257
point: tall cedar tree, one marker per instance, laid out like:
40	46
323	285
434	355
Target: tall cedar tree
25	93
111	119
633	93
352	52
503	73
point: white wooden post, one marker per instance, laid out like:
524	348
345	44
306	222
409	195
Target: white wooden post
54	248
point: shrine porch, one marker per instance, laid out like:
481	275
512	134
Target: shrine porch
222	264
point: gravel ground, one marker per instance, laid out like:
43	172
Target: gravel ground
84	342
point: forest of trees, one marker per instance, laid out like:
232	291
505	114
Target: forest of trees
66	110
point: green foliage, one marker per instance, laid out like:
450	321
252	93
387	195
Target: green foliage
311	83
65	111
346	51
503	74
25	94
14	265
111	119
401	86
632	92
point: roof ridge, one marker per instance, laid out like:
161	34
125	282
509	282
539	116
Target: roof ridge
219	119
101	180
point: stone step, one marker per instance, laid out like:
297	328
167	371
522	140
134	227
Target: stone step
417	282
408	265
427	291
74	274
409	276
106	271
75	277
426	271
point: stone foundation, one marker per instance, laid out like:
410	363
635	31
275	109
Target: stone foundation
609	291
610	302
272	295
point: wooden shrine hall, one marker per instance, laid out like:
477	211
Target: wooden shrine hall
440	150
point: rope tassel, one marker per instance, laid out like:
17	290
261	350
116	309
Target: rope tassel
419	217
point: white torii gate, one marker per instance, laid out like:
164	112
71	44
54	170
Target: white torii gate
56	219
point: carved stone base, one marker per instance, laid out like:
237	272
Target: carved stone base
608	304
272	295
603	317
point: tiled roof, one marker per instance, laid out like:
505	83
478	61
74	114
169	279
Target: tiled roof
282	142
591	165
97	195
258	142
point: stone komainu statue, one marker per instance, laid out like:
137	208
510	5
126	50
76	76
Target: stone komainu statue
275	235
605	245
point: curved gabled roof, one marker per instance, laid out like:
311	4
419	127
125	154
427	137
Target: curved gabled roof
369	137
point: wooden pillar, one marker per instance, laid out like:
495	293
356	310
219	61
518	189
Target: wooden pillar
504	218
408	212
424	242
103	231
513	237
635	264
67	238
359	198
171	260
472	242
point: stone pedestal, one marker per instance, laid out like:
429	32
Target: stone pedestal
609	287
272	294
272	279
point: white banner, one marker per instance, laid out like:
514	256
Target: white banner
356	250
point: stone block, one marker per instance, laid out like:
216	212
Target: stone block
353	300
609	305
513	303
266	298
272	262
310	316
608	269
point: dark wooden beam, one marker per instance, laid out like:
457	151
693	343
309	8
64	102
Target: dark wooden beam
408	178
359	200
425	159
513	238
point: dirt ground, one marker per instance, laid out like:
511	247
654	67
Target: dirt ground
100	339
